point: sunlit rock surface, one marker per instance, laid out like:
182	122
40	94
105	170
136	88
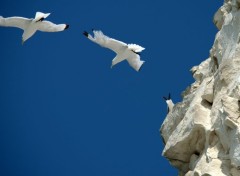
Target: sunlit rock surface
202	133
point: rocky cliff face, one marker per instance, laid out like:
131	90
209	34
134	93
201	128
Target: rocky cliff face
202	133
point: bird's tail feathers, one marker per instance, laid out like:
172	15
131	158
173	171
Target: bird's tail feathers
40	15
136	48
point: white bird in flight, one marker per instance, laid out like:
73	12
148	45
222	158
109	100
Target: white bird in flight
30	26
129	52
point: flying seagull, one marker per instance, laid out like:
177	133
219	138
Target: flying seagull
169	102
129	52
30	26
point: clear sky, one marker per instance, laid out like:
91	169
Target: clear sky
65	112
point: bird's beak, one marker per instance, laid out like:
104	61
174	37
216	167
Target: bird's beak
111	66
22	41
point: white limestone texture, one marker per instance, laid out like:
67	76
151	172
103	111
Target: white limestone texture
202	133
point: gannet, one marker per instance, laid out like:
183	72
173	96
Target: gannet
169	102
129	52
30	26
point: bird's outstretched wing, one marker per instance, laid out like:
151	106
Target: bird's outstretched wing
135	62
107	42
18	22
47	26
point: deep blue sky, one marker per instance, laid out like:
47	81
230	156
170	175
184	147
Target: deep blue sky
64	112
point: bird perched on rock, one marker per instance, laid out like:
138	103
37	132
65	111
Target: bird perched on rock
30	26
169	102
129	52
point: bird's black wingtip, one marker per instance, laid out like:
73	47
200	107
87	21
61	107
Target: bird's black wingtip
85	33
165	98
66	27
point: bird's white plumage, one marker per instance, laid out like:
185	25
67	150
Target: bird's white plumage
47	26
108	42
170	105
30	26
18	22
135	48
124	51
135	62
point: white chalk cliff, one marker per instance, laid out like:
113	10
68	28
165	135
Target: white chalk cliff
202	133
